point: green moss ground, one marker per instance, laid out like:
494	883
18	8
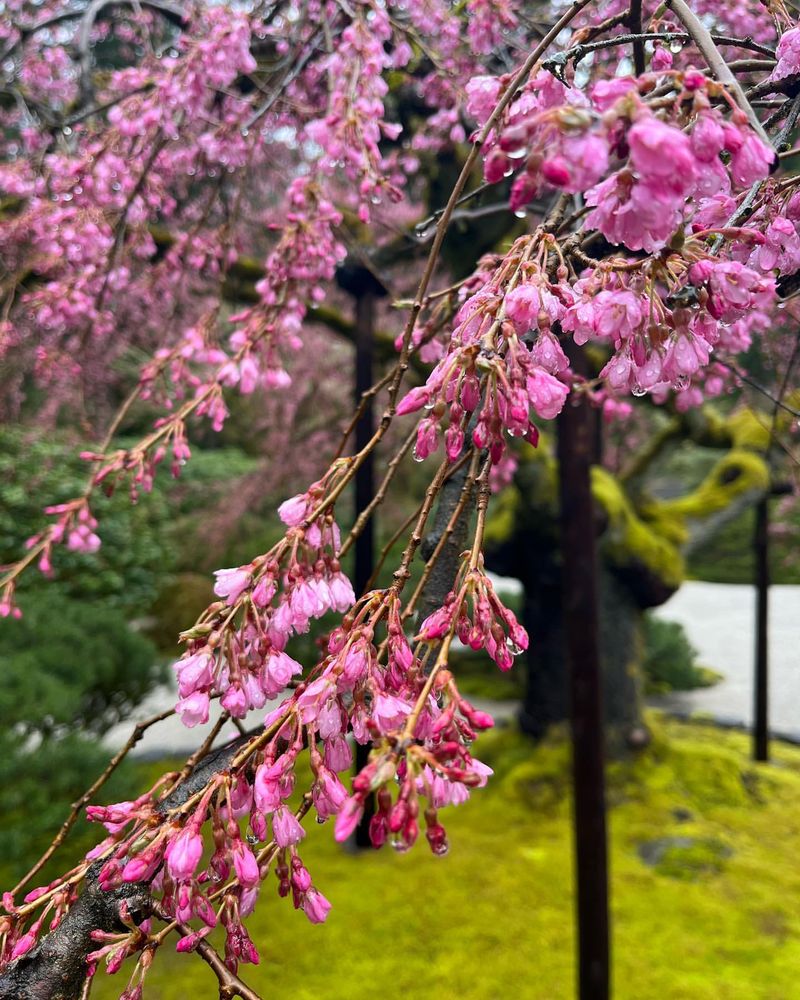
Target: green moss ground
712	914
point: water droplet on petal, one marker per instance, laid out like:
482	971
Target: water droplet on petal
681	383
416	456
520	213
512	647
676	46
517	154
638	390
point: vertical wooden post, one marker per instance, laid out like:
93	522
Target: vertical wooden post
575	448
761	678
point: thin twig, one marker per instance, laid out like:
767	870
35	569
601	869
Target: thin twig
380	494
75	811
230	985
704	41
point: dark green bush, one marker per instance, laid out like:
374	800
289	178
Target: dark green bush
71	666
138	548
670	660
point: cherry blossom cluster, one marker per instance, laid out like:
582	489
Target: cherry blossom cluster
362	689
489	369
658	227
351	131
569	139
276	596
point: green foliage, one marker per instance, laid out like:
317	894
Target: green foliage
495	917
728	556
137	550
629	537
69	665
670	660
38	781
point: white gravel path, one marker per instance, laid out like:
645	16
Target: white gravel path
719	620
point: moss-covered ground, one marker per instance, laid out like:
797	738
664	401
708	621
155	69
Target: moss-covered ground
706	889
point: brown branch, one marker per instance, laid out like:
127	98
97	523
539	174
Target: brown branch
75	810
701	36
55	968
230	985
449	533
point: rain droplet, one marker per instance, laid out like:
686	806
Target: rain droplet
512	647
676	46
400	845
251	839
520	213
508	172
66	130
215	876
517	154
416	456
244	132
638	390
441	849
681	383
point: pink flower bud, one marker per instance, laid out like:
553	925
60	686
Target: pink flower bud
414	400
286	827
245	864
183	853
316	907
349	817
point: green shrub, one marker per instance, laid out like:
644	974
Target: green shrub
137	551
71	666
38	781
670	660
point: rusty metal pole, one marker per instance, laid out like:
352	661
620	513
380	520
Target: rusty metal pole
761	679
575	448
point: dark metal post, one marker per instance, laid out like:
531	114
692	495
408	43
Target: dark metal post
359	281
575	447
364	549
761	680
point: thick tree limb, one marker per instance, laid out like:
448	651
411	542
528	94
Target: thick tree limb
55	969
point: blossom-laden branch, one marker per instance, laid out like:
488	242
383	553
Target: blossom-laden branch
663	236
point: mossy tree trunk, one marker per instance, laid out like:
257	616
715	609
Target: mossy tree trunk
545	701
641	542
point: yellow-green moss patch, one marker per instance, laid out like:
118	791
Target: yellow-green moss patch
715	921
